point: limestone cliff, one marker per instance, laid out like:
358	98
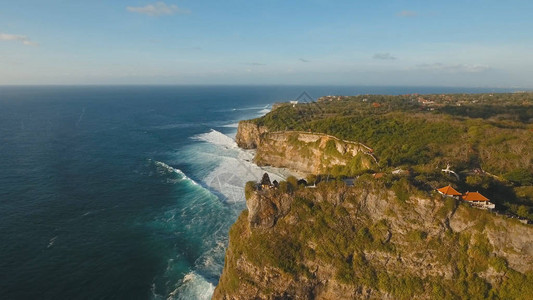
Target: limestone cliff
249	135
305	152
363	242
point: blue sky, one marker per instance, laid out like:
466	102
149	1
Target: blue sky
441	43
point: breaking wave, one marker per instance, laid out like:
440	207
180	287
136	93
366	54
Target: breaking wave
164	169
193	286
264	111
216	138
234	166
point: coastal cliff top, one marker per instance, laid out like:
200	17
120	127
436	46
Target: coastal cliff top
485	139
493	132
371	241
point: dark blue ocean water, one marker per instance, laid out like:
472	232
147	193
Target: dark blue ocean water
126	192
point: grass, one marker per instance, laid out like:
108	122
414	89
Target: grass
466	131
342	235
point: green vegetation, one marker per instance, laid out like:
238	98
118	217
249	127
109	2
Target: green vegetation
520	176
342	235
369	236
489	131
249	189
486	138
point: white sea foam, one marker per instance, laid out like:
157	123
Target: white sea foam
193	286
170	169
234	166
264	111
52	241
185	177
216	138
232	174
223	168
244	108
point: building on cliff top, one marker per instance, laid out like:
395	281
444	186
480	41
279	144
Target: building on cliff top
477	200
448	191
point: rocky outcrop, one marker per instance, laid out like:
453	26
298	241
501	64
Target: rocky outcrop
335	242
509	238
304	152
264	210
249	134
310	153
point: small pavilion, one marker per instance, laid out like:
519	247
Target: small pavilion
448	191
478	200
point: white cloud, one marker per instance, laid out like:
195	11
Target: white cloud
17	38
407	13
157	9
384	56
455	68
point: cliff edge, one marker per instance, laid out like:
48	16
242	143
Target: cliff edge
249	135
304	152
364	242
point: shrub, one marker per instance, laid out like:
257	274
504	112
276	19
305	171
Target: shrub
520	177
249	189
293	182
400	189
498	263
284	187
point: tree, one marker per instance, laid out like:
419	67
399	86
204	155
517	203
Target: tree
520	177
293	182
523	211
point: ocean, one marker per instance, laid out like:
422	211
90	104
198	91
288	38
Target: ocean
128	192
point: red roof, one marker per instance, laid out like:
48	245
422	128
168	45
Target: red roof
474	196
448	190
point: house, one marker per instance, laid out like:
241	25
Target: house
448	191
477	200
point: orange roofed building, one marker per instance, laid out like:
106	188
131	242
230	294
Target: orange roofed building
448	191
478	200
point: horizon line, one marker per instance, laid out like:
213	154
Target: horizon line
257	85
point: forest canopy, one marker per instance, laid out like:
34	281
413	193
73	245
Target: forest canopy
486	138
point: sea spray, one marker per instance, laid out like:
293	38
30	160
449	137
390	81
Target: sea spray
125	228
198	218
229	167
235	167
216	138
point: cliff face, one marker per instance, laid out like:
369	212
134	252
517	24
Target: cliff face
335	242
301	151
249	135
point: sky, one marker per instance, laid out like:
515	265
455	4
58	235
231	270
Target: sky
470	43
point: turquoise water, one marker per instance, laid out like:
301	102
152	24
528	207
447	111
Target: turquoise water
127	192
